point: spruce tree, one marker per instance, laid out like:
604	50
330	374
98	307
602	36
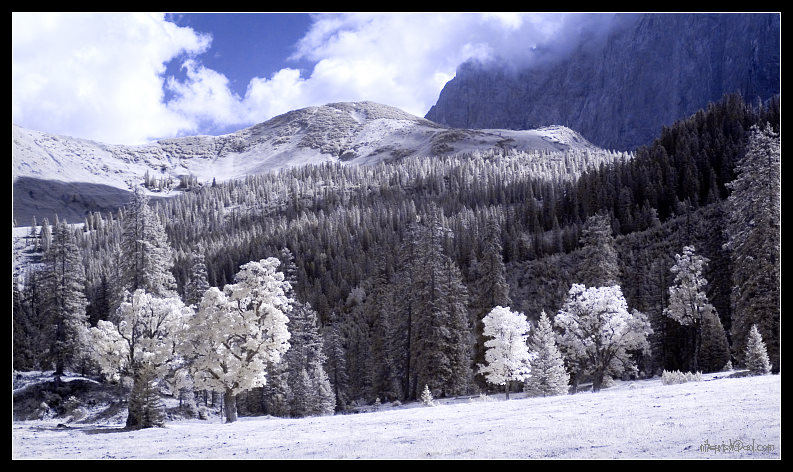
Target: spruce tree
715	351
64	301
146	409
304	359
197	282
438	327
426	397
323	401
548	375
756	355
753	230
599	263
147	256
276	393
490	288
380	315
337	366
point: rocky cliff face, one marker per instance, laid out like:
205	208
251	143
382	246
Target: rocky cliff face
619	91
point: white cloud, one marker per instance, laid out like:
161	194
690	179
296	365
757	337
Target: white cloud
97	76
101	76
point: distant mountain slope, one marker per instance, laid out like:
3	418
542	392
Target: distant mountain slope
618	92
70	175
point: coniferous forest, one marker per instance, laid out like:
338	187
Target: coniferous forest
391	273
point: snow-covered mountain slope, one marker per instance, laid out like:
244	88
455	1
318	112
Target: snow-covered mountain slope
362	132
359	133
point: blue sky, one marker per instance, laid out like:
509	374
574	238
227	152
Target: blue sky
245	45
129	78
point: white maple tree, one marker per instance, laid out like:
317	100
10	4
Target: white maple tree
507	354
598	332
238	331
140	344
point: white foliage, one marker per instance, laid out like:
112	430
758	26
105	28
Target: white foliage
677	377
756	356
687	299
507	355
147	331
548	375
598	330
426	397
236	332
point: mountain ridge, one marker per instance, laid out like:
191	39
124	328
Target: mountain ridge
349	132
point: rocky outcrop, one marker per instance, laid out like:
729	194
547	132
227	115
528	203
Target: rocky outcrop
619	91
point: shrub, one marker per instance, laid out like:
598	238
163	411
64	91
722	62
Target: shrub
677	377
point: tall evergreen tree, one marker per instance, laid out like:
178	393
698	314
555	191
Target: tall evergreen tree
756	355
308	381
754	240
147	256
599	263
197	279
436	310
336	365
490	288
547	374
715	351
276	393
64	301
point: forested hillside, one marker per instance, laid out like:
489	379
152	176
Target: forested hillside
396	265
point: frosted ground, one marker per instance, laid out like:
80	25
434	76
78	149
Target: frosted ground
641	419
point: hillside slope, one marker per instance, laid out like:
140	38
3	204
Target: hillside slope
71	176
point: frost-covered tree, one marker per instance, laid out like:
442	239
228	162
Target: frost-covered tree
756	355
197	283
548	375
426	396
237	332
753	232
323	400
46	235
141	344
688	303
147	256
64	302
507	355
598	332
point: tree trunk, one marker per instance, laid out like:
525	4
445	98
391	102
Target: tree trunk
506	389
135	402
697	342
230	405
597	381
574	382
